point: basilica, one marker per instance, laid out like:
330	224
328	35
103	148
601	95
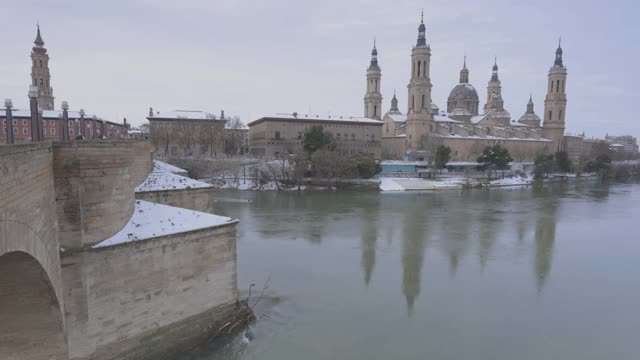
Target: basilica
463	125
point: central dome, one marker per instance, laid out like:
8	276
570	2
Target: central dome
464	92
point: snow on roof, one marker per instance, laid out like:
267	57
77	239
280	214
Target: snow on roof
398	117
337	118
160	166
477	118
150	220
185	114
444	118
491	137
402	162
161	181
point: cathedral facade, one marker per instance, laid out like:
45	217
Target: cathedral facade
465	126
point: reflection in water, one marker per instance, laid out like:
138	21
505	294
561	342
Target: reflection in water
413	245
369	237
545	235
488	221
451	236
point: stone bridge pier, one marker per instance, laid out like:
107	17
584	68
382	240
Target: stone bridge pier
55	197
32	324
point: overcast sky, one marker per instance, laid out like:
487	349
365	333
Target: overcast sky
117	58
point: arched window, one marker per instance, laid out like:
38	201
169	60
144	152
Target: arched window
423	101
41	82
413	102
419	63
375	110
557	85
424	69
560	116
375	88
550	115
40	63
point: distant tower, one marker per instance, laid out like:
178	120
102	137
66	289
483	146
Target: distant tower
555	103
40	75
373	97
493	88
530	118
419	113
394	105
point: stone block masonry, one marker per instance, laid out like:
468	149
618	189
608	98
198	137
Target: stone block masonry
194	199
137	299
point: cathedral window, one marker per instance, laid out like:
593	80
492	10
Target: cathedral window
550	115
419	63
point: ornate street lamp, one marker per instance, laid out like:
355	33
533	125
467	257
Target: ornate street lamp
65	122
33	106
9	121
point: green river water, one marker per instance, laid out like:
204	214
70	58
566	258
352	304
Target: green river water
521	273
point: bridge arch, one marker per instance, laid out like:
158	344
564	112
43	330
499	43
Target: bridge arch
30	314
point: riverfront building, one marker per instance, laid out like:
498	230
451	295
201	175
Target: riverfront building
463	125
80	123
282	134
187	133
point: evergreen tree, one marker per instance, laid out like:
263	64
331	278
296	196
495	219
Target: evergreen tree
496	157
563	163
443	155
316	139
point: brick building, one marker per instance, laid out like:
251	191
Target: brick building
41	89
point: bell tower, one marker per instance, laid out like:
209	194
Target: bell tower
419	114
373	97
494	89
555	103
40	75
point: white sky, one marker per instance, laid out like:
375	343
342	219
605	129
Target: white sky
251	58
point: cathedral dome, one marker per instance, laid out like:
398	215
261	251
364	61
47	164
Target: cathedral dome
464	92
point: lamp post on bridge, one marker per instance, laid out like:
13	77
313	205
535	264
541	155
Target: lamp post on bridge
40	127
81	131
36	124
9	121
65	122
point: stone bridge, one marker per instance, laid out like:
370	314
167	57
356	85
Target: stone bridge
55	197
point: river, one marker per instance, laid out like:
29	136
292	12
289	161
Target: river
525	273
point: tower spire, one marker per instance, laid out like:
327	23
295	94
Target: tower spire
558	62
464	73
422	39
38	40
494	73
374	56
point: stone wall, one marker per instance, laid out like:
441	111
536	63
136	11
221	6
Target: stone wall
469	149
94	186
140	299
30	280
194	199
393	147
